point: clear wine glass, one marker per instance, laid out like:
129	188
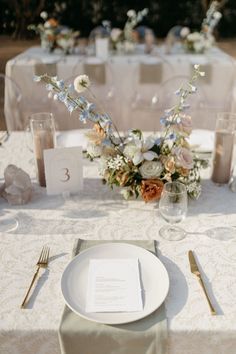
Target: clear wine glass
173	207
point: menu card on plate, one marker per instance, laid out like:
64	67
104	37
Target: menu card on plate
114	286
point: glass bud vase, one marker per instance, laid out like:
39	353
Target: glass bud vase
223	150
43	132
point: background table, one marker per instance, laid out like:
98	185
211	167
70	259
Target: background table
131	102
99	213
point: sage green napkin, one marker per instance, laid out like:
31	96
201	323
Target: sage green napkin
150	73
41	69
80	336
96	72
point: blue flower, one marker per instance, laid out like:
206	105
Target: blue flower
49	87
172	136
163	121
84	115
71	88
70	105
158	141
82	101
178	92
62	96
60	84
37	78
90	107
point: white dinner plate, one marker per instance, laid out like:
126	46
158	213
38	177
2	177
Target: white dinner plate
154	281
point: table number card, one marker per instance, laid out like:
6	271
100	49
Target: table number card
63	170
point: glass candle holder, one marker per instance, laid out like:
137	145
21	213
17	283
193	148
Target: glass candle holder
43	131
224	146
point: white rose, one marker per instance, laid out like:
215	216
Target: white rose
94	150
81	83
184	32
115	34
217	15
44	15
198	46
151	169
183	158
131	13
195	36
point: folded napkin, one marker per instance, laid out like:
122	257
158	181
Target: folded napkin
42	68
150	73
146	336
96	72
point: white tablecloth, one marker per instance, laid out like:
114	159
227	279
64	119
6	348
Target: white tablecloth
126	98
99	213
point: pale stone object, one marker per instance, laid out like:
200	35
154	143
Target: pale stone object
17	189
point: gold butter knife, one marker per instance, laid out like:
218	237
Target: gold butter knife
195	270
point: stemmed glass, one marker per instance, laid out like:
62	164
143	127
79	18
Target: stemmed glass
173	207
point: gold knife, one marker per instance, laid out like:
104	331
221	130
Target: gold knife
195	270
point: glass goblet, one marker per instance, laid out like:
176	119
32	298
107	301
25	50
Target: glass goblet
173	207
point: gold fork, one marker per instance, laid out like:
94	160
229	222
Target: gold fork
42	263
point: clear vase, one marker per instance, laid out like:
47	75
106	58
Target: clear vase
223	150
43	132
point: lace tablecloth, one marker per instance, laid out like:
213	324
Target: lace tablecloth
99	213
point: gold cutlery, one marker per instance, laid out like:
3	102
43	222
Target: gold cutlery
42	263
195	270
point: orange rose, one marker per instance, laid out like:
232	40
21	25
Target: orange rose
52	22
151	189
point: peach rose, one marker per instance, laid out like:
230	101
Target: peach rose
122	178
184	172
151	189
96	135
170	164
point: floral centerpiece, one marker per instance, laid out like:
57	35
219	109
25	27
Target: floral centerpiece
199	42
53	35
125	39
140	166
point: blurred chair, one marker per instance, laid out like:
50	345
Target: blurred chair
222	83
102	91
144	104
97	32
174	39
198	102
35	99
10	103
